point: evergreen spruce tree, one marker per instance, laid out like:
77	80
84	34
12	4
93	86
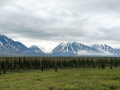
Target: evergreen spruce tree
103	65
6	63
115	63
42	68
110	66
99	63
14	65
4	71
24	63
111	63
0	70
11	66
55	68
94	65
88	63
77	65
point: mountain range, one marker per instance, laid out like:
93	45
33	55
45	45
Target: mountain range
9	47
78	49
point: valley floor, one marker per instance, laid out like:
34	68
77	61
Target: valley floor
63	79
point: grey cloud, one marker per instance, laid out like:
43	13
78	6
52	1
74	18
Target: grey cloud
62	20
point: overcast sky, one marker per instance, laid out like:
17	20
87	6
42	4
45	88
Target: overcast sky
46	23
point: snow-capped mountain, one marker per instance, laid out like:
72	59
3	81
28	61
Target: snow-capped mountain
105	49
78	49
8	46
74	49
117	51
35	49
11	47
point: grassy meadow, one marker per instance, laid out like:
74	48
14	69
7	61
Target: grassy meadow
63	79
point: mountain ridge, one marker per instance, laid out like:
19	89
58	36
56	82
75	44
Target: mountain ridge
81	49
16	48
11	47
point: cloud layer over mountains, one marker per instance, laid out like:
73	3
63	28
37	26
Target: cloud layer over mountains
86	21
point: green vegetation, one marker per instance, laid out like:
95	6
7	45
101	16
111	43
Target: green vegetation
63	79
36	73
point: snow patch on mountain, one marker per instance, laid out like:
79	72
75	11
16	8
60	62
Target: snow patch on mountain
35	49
105	49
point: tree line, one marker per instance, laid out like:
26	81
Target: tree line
45	64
